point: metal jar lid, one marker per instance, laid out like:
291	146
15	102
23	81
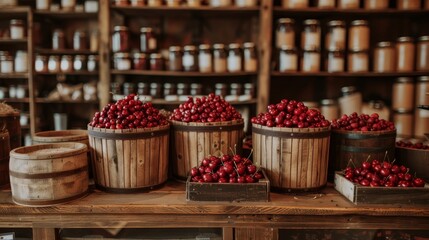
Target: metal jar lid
189	48
120	28
285	21
146	30
347	90
155	56
219	46
182	85
336	23
404	80
204	47
423	79
221	85
249	45
121	55
384	44
328	102
359	23
174	49
196	85
423	38
234	46
405	39
311	22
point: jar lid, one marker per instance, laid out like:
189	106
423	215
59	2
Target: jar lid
234	46
219	46
139	55
287	48
336	23
43	57
404	80
80	57
204	47
348	90
67	57
423	79
249	45
155	85
128	84
405	39
328	102
92	57
196	85
376	104
54	57
189	48
311	22
142	85
79	33
175	49
285	20
310	49
155	55
146	29
221	85
359	23
423	38
182	85
121	55
169	85
16	21
120	28
403	111
58	32
249	85
384	44
236	85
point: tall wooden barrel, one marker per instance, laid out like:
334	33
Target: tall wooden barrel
4	157
294	159
191	142
129	160
48	174
359	146
13	126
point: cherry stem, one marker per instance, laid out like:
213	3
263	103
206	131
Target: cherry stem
351	161
251	152
367	159
385	156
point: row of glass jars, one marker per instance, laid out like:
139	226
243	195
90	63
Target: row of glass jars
68	5
189	3
79	42
13	64
356	4
65	63
406	93
14	91
204	58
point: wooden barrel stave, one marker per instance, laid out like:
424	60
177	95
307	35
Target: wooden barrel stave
13	127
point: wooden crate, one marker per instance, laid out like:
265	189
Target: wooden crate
380	195
229	192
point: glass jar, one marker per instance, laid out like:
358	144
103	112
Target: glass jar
336	36
137	3
359	35
358	61
375	106
122	3
79	63
4	92
21	91
329	109
403	121
376	4
249	90
175	58
205	58
54	64
43	4
250	57
326	4
154	3
405	54
196	89
422	90
156	90
236	89
115	88
58	40
129	88
348	4
190	59
79	40
140	61
246	3
335	61
12	91
6	64
173	3
182	89
288	59
121	61
310	61
143	89
169	89
66	63
220	3
421	122
193	3
41	64
17	30
21	61
91	6
68	5
408	4
285	32
221	89
120	39
310	37
402	94
295	3
148	41
156	62
350	101
234	58
219	58
384	57
423	54
92	63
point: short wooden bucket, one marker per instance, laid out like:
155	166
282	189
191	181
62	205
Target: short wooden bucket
129	160
359	146
295	159
4	157
416	159
13	126
48	174
191	142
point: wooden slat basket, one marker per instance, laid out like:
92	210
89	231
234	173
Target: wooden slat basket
359	146
191	142
48	174
13	126
415	159
294	159
4	157
129	160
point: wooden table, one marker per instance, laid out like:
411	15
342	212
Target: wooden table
168	208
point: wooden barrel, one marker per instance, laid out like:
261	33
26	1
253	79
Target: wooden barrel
294	159
13	126
191	142
359	146
129	160
415	159
4	157
74	135
48	174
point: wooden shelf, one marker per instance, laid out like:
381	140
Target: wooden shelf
14	12
180	74
164	102
15	100
44	100
13	41
64	52
13	75
65	14
182	10
348	74
80	73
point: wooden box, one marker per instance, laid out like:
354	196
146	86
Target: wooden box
380	195
229	192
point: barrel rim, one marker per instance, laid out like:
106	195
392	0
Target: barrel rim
413	149
208	126
77	134
382	132
77	148
129	134
205	124
14	114
47	203
254	125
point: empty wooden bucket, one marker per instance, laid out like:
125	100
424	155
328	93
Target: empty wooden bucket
191	142
129	160
13	126
48	174
294	159
4	157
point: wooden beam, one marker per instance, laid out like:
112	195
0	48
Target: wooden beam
104	51
44	234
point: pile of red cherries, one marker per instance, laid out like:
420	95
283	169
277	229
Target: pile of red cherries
363	122
418	145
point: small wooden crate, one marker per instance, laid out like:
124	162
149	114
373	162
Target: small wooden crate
380	195
229	192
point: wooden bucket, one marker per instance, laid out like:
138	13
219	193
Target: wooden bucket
48	174
359	146
294	159
129	160
191	142
415	159
14	127
4	157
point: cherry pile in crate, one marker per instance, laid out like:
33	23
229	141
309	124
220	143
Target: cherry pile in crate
363	122
418	145
290	114
379	174
205	109
128	112
226	169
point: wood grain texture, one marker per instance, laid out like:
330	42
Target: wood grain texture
44	234
252	233
4	157
13	127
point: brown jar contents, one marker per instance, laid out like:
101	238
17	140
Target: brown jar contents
175	58
405	54
58	40
156	62
140	61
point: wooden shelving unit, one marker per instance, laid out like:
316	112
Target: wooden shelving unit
181	74
65	14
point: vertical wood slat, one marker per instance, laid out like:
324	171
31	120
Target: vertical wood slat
256	233
44	234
